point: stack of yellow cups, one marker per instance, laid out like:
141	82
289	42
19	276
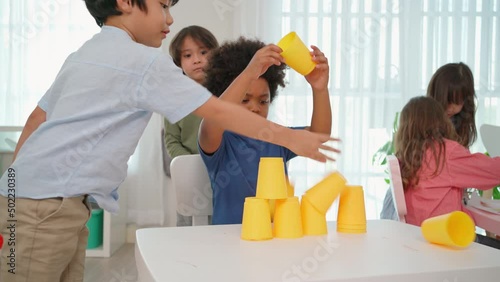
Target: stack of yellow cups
275	203
271	185
351	217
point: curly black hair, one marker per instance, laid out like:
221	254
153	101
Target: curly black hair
231	58
102	9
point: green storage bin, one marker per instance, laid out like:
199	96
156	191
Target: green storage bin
95	229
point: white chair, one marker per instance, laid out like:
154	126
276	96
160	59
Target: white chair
192	187
396	187
490	134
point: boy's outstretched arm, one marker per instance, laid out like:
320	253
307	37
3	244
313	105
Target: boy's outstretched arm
321	120
237	119
37	117
210	134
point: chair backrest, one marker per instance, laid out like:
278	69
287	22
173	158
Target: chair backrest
192	188
490	134
398	194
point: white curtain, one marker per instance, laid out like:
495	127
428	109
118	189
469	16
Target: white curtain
36	37
381	53
150	196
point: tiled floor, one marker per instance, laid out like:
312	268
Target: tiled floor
120	267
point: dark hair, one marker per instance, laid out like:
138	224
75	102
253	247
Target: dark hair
454	84
231	58
198	33
102	9
423	125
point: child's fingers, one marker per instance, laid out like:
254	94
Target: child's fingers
275	48
329	148
330	158
275	52
314	47
272	51
318	56
320	157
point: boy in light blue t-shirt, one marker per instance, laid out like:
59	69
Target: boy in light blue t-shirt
79	138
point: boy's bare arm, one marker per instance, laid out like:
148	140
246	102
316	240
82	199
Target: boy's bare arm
210	134
234	118
321	120
37	117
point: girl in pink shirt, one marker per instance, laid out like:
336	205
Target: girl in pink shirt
434	167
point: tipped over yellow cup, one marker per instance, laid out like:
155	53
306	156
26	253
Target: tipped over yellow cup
296	54
313	221
455	229
322	195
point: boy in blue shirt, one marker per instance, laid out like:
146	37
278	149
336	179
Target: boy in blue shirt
232	160
79	138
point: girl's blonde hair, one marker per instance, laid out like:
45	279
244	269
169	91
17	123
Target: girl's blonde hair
423	125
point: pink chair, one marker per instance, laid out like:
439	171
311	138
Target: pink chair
396	187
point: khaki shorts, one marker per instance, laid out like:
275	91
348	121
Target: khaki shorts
44	240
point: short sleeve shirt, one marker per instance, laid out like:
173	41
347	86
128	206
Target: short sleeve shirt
97	109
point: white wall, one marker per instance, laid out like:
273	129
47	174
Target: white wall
214	15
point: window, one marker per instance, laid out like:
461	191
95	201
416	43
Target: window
36	37
381	53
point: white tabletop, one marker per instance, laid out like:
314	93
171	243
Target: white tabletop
389	251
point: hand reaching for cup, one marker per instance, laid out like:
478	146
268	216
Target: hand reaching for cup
308	144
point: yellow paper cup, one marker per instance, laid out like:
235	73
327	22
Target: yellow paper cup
271	179
256	224
296	54
322	195
272	202
351	216
272	208
455	229
313	222
290	188
287	218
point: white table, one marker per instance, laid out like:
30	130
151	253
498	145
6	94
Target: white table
8	134
485	220
389	251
